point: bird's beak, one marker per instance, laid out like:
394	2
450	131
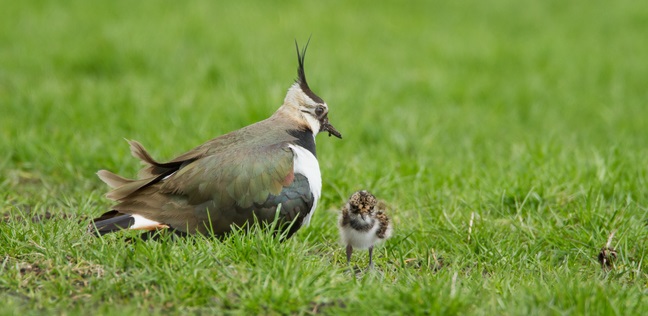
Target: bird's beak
327	127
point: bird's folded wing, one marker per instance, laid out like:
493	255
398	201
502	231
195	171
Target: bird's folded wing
223	186
239	177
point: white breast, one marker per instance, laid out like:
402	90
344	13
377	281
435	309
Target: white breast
360	239
306	164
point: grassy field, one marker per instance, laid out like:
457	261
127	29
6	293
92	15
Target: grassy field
508	137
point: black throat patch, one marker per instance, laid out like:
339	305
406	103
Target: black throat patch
304	138
360	226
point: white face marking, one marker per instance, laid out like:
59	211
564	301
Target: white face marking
313	123
306	164
305	106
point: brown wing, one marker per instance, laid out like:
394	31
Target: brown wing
218	188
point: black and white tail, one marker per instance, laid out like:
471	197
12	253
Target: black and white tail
110	222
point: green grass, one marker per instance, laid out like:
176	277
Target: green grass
528	116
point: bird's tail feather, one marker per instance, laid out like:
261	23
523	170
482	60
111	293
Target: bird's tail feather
110	222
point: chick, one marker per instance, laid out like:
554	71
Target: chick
362	224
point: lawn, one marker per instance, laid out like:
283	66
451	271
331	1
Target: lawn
508	138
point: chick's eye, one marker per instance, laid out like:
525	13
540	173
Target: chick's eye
319	110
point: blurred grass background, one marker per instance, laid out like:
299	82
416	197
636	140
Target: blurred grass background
529	116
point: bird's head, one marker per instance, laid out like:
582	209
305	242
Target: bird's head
362	203
304	105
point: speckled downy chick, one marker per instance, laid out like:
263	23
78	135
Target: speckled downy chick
363	224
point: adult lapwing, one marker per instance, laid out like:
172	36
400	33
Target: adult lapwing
363	224
266	170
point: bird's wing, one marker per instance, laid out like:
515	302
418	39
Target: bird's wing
241	176
219	188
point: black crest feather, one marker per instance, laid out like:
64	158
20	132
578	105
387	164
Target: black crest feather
301	74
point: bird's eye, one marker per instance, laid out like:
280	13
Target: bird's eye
319	110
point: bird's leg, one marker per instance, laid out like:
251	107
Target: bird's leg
349	251
370	257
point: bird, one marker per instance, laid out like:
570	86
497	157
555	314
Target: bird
264	171
363	224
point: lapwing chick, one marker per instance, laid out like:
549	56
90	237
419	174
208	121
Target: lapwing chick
363	224
264	171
